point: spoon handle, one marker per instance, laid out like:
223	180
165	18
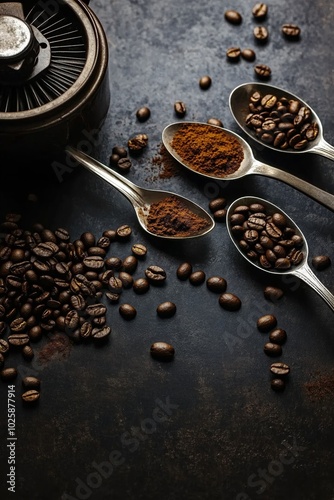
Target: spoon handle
307	275
124	186
322	197
323	148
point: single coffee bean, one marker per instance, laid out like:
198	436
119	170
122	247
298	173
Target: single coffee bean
138	143
220	215
205	82
260	11
321	262
283	263
233	54
95	310
291	31
273	293
119	151
184	271
278	336
280	369
162	351
143	113
229	301
217	204
72	319
27	352
141	286
115	285
4	346
30	382
261	33
18	339
126	279
93	262
155	274
248	54
30	396
114	263
215	121
35	332
196	278
8	374
123	232
262	71
18	325
86	330
272	349
124	164
139	250
166	309
266	322
277	384
180	109
101	334
130	264
216	284
127	311
113	297
233	16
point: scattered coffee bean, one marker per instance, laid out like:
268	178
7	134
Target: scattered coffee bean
126	279
127	311
248	55
30	382
278	336
139	250
27	352
261	33
166	309
321	262
233	54
205	82
196	278
216	284
291	31
180	109
278	384
266	322
141	286
8	374
229	301
272	349
30	396
113	160
143	113
162	351
280	369
124	164
129	264
215	121
184	271
119	151
263	71
101	334
260	11
233	16
155	274
138	142
123	232
18	339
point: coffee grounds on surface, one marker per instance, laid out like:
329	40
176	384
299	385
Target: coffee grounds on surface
167	165
320	386
208	150
171	217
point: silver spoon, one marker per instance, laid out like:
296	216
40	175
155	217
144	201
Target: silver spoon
140	198
239	100
301	270
249	166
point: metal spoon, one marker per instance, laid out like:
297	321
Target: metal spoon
249	166
302	270
239	100
140	198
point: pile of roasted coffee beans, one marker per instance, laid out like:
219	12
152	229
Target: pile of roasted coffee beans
280	122
273	348
266	238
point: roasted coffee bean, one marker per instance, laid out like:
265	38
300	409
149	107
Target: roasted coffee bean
261	33
130	264
220	215
143	113
96	250
78	302
96	309
277	384
120	151
127	311
27	352
155	274
141	286
72	319
196	278
229	301
321	262
123	232
216	284
166	309
115	285
278	336
31	396
113	297
262	71
3	327
139	250
35	332
126	279
260	11
180	109
18	339
283	263
266	322
30	382
291	31
215	121
18	325
86	330
272	349
114	263
273	293
45	250
280	369
233	53
4	346
217	204
101	334
8	374
138	143
93	262
233	16
248	54
124	164
162	351
205	82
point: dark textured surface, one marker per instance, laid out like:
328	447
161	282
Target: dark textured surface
226	435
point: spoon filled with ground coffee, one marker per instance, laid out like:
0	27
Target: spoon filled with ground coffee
160	213
270	240
215	152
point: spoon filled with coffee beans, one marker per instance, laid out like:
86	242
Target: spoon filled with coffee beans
218	153
270	240
160	213
278	120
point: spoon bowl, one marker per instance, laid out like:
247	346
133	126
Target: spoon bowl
239	101
142	198
248	166
301	270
